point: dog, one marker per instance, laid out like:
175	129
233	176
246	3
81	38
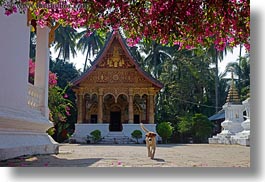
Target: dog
150	140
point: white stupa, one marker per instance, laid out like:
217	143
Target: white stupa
233	117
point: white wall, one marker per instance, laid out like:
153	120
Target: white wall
14	56
82	130
22	130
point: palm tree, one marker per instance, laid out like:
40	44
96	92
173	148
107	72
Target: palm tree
242	70
89	44
187	80
156	55
217	56
65	42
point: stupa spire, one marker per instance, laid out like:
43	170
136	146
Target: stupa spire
233	97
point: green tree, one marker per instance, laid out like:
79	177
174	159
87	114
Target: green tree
185	126
187	85
65	71
202	127
137	134
90	44
164	130
217	56
65	42
198	127
156	55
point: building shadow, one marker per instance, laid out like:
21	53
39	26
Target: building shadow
48	161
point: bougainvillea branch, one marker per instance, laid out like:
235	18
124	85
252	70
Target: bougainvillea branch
187	23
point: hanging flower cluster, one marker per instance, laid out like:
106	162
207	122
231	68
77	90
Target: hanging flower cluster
188	23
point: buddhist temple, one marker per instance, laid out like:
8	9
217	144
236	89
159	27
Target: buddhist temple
115	94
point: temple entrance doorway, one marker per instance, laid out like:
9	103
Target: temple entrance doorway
115	121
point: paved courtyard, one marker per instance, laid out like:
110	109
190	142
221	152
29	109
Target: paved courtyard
186	155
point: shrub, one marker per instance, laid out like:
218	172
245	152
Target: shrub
198	127
185	125
165	130
95	135
137	134
202	127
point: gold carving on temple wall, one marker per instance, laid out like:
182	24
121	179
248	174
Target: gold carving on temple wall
140	91
109	76
115	58
116	92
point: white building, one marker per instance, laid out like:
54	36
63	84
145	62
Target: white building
23	107
234	123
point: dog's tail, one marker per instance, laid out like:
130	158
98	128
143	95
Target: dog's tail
143	128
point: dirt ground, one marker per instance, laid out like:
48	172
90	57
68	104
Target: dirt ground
186	155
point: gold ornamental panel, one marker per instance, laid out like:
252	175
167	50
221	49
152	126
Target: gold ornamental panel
109	76
116	92
115	58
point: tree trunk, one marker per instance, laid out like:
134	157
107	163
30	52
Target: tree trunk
216	82
59	53
84	69
239	71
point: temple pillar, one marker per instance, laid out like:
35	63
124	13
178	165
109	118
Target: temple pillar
41	78
14	61
147	110
151	109
130	109
100	107
80	108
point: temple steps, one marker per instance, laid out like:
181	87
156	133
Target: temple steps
116	138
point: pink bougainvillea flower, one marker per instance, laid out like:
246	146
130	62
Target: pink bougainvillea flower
52	79
68	113
8	12
31	67
194	23
14	9
52	76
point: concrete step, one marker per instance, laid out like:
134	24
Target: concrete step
116	138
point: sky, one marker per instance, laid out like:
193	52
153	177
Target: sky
79	60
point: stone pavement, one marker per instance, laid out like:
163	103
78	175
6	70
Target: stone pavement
173	155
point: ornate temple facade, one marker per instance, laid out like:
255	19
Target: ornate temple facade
115	94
